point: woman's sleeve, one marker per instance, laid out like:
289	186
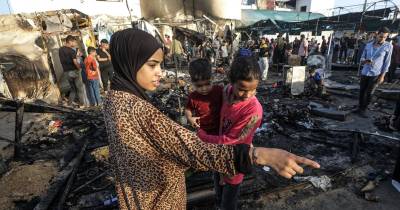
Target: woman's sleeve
184	147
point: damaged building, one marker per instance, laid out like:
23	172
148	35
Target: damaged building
30	66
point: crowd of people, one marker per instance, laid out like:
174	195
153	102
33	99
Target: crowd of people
217	50
86	75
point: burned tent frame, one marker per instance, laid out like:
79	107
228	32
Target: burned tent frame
349	21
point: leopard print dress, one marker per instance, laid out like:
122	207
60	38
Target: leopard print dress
150	153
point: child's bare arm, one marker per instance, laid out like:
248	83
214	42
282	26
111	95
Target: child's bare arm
192	120
188	113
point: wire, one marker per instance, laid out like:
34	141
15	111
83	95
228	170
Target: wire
353	7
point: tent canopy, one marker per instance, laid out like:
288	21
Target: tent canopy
250	16
349	21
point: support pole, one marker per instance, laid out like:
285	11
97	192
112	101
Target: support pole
19	117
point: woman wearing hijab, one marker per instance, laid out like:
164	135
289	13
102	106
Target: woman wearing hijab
148	151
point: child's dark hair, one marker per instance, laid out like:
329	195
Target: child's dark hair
312	68
200	69
90	49
245	68
70	38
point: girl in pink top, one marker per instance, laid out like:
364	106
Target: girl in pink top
241	115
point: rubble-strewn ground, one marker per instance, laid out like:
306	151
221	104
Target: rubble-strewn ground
25	182
287	124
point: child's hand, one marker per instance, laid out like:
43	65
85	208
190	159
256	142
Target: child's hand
194	121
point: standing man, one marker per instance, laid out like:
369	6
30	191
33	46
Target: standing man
376	61
177	52
324	46
296	46
303	49
216	44
105	65
72	70
351	43
224	53
279	49
395	61
263	59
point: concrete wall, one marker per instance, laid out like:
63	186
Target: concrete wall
318	6
301	3
90	7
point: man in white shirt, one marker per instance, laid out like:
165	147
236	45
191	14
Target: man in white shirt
216	44
224	53
303	50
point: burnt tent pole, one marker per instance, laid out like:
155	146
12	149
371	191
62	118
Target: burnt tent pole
355	147
19	116
174	56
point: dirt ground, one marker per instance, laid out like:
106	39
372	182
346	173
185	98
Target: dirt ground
25	182
337	199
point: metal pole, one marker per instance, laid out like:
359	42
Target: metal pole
174	57
9	8
365	5
329	56
129	10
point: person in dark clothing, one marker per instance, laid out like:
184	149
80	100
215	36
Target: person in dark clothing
296	45
336	48
351	43
343	49
105	65
395	61
279	50
72	70
288	53
324	46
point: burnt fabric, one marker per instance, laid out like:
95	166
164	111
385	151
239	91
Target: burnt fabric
130	49
149	154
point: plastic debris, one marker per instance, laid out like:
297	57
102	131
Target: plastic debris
368	187
322	182
264	127
371	197
54	126
266	168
